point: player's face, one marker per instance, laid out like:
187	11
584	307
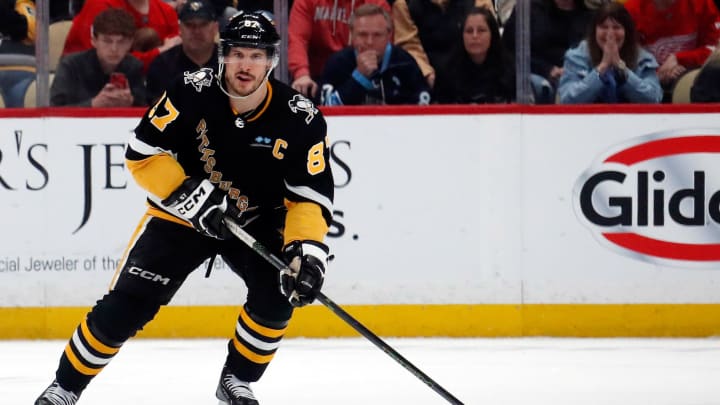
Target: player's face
111	49
476	35
245	69
198	35
370	33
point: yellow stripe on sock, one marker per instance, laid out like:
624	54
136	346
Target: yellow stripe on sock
263	330
94	343
77	364
251	355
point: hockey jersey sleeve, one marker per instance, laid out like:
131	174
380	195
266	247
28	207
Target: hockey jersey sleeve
149	154
309	187
304	221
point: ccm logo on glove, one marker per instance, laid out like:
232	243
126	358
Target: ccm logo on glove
204	206
189	206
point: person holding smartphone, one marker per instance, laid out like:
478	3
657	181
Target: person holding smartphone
105	76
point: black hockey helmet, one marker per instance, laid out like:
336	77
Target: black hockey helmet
250	30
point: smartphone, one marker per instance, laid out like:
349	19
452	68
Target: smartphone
119	80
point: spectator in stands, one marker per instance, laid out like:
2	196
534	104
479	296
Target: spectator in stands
198	29
316	30
427	29
609	66
372	70
680	34
224	9
482	70
155	14
555	27
83	79
17	50
706	88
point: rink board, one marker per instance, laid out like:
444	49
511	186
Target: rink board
474	221
638	320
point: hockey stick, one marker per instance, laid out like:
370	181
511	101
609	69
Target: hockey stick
241	234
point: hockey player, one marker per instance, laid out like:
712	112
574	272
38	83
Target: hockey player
233	145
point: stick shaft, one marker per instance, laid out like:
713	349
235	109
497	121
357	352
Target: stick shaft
360	328
241	234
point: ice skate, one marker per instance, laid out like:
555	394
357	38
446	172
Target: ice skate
57	395
233	391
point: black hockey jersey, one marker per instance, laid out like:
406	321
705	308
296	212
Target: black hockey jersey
273	157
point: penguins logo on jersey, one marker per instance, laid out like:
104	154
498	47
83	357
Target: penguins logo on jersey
300	103
199	79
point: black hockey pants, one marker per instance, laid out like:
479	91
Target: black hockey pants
160	256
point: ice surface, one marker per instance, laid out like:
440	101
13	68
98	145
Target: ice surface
353	371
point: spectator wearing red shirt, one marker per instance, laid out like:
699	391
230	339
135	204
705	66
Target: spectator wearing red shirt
681	34
155	14
316	30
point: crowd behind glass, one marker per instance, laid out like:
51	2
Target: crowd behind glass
123	53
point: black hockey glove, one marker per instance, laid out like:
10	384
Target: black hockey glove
306	271
205	206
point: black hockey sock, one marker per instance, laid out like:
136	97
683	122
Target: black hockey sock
253	346
85	355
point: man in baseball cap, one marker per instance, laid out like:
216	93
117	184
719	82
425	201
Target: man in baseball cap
198	30
201	9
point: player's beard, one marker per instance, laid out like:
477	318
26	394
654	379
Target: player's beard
243	88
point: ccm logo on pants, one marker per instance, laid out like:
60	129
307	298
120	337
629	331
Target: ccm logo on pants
148	275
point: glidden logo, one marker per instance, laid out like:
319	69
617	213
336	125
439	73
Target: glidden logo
657	197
